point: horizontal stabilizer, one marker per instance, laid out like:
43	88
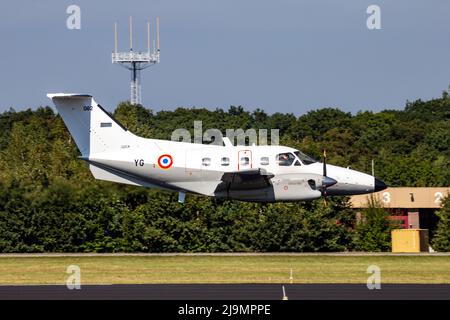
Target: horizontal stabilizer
115	176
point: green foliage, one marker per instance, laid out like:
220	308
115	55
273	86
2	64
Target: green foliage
49	201
135	118
373	232
441	239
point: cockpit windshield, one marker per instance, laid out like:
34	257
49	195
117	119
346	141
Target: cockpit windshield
304	157
285	159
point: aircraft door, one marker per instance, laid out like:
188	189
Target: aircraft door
245	160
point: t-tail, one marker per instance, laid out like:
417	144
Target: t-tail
97	135
92	127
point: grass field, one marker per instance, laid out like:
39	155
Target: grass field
224	269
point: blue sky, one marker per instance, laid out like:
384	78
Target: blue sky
286	56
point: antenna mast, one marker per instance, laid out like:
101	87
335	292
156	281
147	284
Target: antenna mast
136	61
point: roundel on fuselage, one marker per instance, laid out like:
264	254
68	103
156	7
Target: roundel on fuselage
165	161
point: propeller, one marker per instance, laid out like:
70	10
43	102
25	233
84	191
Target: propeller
326	181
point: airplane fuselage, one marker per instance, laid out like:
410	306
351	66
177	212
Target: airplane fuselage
248	173
198	168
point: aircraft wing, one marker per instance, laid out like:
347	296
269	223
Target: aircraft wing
245	180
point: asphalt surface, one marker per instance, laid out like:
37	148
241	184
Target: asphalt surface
231	254
228	292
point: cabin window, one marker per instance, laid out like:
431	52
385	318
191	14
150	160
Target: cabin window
105	124
285	159
225	161
206	162
297	163
245	161
264	161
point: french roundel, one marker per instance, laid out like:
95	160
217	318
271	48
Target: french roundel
165	161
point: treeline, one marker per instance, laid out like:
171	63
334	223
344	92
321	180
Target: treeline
49	202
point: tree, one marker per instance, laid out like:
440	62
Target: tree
49	201
441	239
135	118
373	232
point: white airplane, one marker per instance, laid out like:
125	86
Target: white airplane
246	173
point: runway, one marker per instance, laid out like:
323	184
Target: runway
228	292
227	254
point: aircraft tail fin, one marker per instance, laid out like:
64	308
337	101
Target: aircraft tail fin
92	127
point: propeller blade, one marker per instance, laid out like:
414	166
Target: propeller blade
327	181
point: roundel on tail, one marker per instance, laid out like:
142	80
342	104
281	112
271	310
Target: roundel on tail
165	161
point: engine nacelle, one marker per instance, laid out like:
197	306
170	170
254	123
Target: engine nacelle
295	187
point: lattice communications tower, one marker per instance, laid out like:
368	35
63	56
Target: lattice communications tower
135	61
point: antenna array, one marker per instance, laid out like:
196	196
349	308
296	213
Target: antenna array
136	61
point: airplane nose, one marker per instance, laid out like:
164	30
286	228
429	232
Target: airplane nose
379	185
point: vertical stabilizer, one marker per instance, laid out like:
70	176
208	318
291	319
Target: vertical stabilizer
92	127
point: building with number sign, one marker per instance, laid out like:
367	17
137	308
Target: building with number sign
412	208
